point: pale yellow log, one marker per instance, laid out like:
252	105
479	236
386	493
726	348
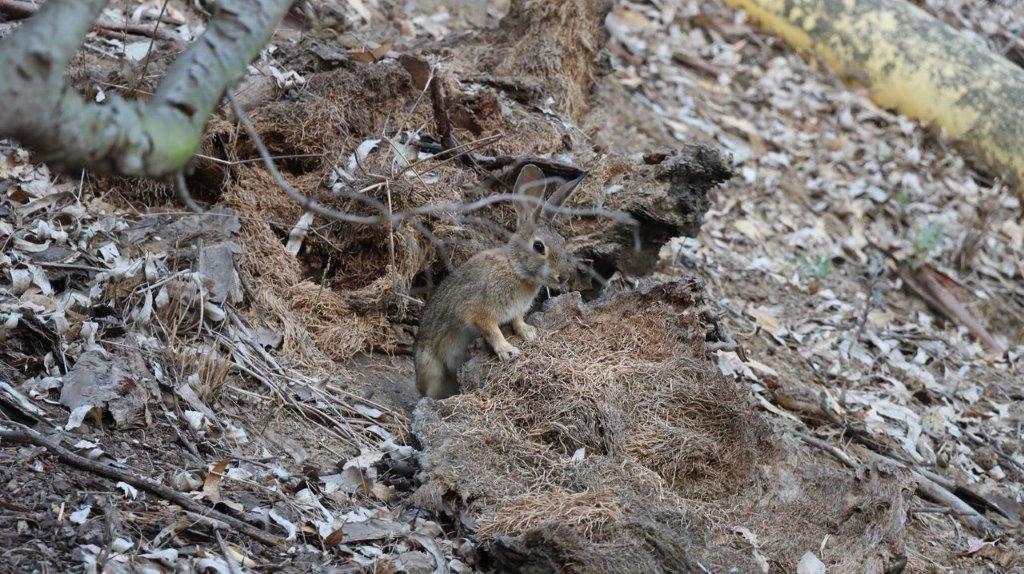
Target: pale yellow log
917	65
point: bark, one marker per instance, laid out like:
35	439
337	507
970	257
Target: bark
917	65
126	137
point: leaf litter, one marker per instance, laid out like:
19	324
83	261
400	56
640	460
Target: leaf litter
890	268
804	256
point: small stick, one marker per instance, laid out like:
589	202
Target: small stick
227	555
934	510
926	487
73	266
149	50
829	448
184	195
933	491
28	436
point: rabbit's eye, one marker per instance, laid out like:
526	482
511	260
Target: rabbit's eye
538	246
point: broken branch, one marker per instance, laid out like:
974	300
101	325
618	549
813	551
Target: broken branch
28	436
926	487
830	448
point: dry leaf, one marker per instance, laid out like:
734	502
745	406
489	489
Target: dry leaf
334	538
366	56
418	68
211	486
810	564
750	228
764	318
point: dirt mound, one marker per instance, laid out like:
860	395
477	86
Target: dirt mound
349	137
554	43
346	137
612	444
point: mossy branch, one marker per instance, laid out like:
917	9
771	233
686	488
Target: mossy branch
126	137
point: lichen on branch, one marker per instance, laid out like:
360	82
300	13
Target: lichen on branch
126	137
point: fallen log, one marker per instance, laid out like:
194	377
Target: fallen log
917	65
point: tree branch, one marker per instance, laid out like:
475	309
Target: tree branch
127	137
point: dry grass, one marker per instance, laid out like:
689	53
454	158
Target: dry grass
625	381
556	42
586	512
619	381
614	436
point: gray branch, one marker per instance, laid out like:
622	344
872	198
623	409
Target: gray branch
126	137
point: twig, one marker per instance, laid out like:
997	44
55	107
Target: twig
331	423
952	307
924	281
697	64
934	510
28	436
929	484
184	195
227	555
74	266
152	42
829	448
191	448
493	163
955	489
933	491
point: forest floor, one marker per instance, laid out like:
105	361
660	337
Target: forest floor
186	349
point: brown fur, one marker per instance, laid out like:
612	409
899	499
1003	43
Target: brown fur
492	288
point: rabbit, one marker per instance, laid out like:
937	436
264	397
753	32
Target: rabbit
492	288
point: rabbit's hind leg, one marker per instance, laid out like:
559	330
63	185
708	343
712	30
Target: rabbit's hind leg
432	378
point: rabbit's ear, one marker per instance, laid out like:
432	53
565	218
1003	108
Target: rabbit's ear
565	191
531	182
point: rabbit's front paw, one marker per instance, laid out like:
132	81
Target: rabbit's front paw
508	352
527	332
